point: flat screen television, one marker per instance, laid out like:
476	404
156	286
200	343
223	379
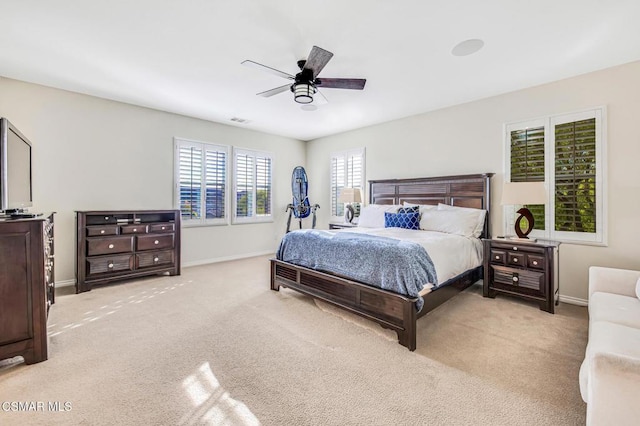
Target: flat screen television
15	170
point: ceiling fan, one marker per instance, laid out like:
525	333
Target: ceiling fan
306	82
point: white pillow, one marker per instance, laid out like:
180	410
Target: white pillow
422	207
372	216
638	288
479	214
449	221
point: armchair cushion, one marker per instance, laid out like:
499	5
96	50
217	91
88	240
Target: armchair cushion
615	308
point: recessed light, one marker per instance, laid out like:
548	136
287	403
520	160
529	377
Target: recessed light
467	47
308	107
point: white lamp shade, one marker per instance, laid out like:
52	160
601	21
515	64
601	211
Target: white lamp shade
520	193
350	195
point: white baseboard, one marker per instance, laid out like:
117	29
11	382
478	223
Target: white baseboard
574	300
65	283
227	258
68	283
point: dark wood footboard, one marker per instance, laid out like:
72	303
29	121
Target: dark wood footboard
390	310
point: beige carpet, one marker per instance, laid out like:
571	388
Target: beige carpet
216	346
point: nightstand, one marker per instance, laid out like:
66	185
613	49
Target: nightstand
524	269
342	225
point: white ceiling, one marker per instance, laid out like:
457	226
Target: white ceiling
184	56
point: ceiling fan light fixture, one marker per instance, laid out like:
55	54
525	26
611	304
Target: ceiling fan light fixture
303	92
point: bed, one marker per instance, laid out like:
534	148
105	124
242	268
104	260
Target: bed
390	309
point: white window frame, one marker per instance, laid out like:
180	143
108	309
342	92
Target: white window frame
204	146
346	154
254	218
549	123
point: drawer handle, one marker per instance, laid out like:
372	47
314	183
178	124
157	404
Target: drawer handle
110	265
106	218
110	245
163	228
514	279
515	259
102	231
497	257
155	259
535	262
515	248
156	242
135	229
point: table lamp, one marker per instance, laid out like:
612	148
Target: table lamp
349	196
522	193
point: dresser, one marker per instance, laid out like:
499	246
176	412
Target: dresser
523	269
26	286
118	245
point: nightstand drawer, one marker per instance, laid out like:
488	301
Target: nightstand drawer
498	257
520	278
515	259
535	262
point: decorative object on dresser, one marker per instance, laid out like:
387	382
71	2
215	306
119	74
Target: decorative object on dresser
524	193
351	197
26	286
117	245
389	309
522	268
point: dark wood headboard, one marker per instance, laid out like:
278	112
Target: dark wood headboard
462	191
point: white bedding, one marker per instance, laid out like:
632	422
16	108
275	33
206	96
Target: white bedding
451	254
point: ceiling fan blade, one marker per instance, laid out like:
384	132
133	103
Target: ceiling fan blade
275	91
341	83
317	59
268	69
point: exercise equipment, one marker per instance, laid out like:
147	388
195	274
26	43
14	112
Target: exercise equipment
301	207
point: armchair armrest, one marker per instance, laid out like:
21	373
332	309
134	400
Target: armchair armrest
614	385
611	280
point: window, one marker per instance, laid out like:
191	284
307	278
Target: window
567	153
201	182
347	171
253	198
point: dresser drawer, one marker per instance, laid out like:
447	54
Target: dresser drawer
99	219
95	231
154	242
108	245
133	229
106	264
162	227
156	258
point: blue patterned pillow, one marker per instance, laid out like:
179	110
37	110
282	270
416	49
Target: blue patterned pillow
402	220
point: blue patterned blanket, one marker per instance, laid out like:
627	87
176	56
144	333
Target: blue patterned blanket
395	265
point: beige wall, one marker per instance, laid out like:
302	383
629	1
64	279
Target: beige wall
469	139
90	153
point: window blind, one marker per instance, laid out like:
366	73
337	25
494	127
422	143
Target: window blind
527	164
253	186
347	171
575	176
201	181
